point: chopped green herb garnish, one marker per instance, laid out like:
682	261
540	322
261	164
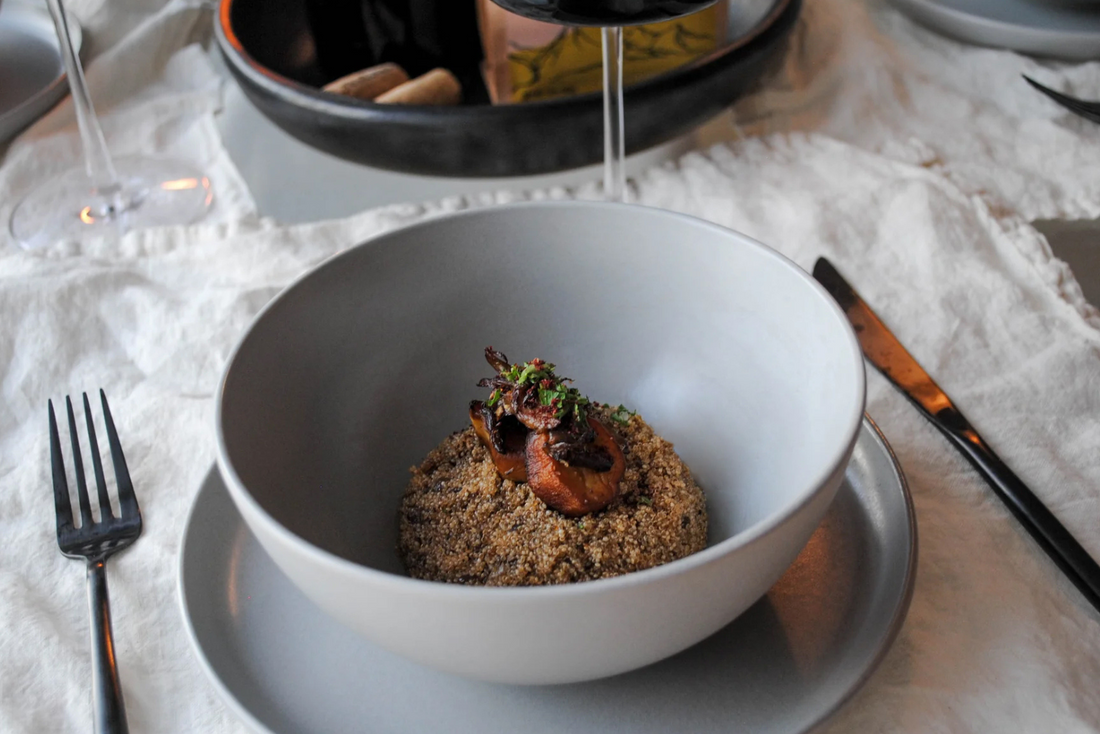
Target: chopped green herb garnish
552	389
622	415
535	392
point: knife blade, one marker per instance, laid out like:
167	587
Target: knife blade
882	349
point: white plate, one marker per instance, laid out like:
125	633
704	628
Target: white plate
1065	30
783	666
32	75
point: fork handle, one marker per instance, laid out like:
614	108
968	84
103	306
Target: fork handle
110	714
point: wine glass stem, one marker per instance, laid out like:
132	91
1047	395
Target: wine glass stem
97	160
614	149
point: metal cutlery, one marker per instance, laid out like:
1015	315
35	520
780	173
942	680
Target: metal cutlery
1087	110
884	351
95	541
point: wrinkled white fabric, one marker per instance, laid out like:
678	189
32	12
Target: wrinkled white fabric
907	167
866	74
155	93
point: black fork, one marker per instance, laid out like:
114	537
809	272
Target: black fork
95	541
1087	110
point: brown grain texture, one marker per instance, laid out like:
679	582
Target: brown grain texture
460	522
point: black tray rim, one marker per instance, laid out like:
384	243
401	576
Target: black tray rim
510	140
342	106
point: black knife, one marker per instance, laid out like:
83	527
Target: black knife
884	351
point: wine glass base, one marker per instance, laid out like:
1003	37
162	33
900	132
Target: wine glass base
151	192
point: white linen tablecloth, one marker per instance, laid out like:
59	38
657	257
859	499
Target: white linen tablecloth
912	161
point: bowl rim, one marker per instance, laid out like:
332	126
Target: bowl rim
343	106
385	580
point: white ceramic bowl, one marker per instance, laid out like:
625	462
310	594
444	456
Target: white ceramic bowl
356	371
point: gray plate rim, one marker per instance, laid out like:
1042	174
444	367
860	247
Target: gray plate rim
15	119
984	30
870	435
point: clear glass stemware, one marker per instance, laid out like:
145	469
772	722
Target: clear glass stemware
610	16
614	121
105	196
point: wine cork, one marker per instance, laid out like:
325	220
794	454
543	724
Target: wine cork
437	87
370	82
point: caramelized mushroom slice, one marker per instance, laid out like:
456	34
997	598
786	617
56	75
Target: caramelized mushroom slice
571	489
505	438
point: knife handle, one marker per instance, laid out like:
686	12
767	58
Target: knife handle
1043	526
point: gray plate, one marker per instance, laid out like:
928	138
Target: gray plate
32	77
1064	30
783	666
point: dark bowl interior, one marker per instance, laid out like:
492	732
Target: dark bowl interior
280	64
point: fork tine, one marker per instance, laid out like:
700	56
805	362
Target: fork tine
1088	110
62	507
127	502
97	465
78	469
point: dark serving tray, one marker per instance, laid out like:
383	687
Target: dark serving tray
259	39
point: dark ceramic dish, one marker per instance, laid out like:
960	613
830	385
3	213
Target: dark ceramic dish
269	48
